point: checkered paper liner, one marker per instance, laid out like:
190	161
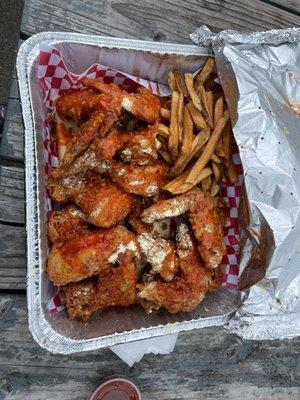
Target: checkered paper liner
55	79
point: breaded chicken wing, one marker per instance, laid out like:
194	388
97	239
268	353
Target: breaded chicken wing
143	104
66	224
112	287
187	289
80	257
144	180
102	203
206	217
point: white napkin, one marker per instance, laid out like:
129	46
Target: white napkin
134	351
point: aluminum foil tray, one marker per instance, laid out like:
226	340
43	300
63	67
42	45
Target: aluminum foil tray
58	333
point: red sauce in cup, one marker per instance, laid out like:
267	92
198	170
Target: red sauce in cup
116	389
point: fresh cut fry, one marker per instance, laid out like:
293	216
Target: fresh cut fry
206	184
180	116
227	143
163	130
215	187
174	135
206	101
218	172
172	81
180	83
206	71
184	159
215	158
218	110
197	117
231	170
166	156
209	148
188	135
188	186
189	81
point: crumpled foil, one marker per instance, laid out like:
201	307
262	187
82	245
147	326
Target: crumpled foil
260	74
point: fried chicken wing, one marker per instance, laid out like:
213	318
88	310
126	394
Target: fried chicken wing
66	224
206	217
77	106
159	253
112	287
189	286
144	180
102	203
143	104
80	257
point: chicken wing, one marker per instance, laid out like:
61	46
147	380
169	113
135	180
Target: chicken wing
66	224
80	257
143	104
187	289
102	203
112	287
144	180
206	217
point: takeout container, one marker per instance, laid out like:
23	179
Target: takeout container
58	333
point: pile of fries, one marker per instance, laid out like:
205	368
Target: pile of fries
197	127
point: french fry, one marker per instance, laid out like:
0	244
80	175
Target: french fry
172	81
206	184
210	104
163	130
188	186
218	110
206	101
212	84
231	170
215	158
179	185
174	137
218	172
197	117
206	71
165	113
189	81
220	149
180	83
214	189
166	156
180	116
188	135
184	159
227	139
209	148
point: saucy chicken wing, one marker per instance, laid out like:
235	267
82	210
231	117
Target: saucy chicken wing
206	217
112	287
188	287
77	258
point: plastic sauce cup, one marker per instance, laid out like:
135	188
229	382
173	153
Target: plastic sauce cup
116	389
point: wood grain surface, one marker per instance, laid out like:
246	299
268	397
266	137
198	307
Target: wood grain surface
206	364
162	20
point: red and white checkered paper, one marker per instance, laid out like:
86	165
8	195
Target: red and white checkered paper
55	79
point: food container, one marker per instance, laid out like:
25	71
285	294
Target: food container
56	332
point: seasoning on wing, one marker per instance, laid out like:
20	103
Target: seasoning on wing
189	286
206	217
80	257
112	287
102	203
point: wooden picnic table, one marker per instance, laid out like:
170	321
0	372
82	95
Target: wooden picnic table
206	364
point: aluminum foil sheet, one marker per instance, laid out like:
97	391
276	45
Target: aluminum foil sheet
260	74
59	334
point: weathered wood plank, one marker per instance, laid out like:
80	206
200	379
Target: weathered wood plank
291	5
13	132
206	364
11	194
165	20
12	257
